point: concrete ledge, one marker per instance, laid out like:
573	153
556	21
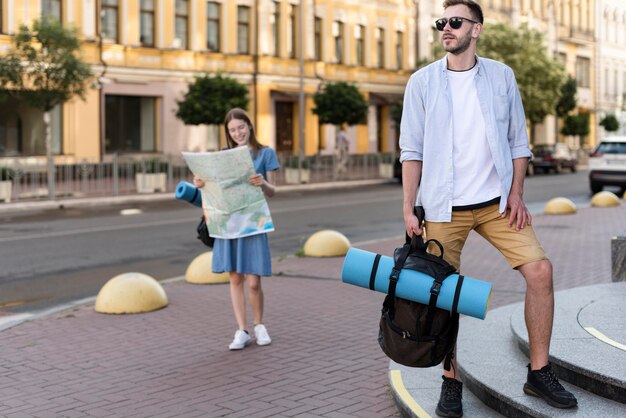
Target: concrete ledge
587	320
416	393
493	367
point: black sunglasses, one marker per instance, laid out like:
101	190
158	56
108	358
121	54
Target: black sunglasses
455	22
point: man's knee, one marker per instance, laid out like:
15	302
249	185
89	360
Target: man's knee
538	274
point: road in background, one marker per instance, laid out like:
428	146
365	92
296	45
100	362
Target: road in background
57	256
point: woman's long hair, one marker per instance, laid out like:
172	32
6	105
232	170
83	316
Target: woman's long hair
240	114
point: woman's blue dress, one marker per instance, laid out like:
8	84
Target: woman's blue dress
247	255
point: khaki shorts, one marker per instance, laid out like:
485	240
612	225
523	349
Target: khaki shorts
518	247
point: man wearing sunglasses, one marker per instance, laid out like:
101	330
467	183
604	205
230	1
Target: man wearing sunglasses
463	141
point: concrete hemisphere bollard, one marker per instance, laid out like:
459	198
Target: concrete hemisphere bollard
326	243
559	206
605	199
624	196
129	293
199	271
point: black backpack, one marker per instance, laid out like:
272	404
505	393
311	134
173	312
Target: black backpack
415	334
203	233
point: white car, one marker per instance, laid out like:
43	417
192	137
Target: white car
607	164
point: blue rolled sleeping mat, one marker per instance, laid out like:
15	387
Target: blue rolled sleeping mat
189	193
473	299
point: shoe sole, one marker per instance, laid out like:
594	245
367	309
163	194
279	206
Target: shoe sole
530	390
440	413
263	343
247	343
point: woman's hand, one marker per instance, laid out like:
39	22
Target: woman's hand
256	180
267	186
198	182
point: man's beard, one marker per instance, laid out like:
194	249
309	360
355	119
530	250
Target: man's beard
462	46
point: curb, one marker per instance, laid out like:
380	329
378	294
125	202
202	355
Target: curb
155	197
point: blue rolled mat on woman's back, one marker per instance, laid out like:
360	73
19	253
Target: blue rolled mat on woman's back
413	285
189	193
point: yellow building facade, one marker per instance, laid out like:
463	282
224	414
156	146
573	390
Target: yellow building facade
144	53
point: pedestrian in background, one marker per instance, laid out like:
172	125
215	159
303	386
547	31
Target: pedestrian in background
248	258
463	141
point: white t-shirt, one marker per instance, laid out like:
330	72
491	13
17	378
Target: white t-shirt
475	177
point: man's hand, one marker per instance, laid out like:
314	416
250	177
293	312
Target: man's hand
413	225
517	212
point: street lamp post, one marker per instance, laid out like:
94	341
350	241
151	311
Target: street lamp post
301	92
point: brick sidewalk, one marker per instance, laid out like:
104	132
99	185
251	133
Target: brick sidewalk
324	359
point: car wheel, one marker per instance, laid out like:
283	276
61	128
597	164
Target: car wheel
573	168
595	187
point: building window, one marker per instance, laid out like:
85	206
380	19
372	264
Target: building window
130	124
380	46
291	31
180	26
22	130
243	29
275	27
582	72
359	35
146	29
399	49
109	19
51	9
318	38
338	36
213	26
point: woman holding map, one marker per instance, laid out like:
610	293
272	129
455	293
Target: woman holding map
247	258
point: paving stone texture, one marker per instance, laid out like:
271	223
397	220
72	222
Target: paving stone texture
324	360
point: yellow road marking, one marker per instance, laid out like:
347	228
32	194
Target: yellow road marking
398	385
604	338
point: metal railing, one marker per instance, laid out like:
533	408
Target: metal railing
123	177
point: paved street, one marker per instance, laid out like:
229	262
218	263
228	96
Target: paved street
324	360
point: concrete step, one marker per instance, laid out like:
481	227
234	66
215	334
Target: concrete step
588	347
494	369
416	392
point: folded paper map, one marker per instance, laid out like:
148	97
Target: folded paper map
232	207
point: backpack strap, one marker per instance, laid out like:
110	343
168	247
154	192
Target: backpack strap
389	303
432	304
457	294
374	271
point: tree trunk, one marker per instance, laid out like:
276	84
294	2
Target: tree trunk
49	157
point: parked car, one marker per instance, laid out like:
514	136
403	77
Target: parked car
397	170
555	157
607	164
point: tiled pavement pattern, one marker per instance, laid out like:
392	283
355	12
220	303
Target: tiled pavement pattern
324	359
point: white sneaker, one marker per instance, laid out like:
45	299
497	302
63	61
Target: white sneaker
262	337
242	339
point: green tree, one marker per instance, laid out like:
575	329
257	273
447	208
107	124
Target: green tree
539	77
208	99
610	123
43	70
339	103
567	102
576	125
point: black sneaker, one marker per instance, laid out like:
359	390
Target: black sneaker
450	400
544	384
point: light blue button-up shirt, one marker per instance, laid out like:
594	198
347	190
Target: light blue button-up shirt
426	130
